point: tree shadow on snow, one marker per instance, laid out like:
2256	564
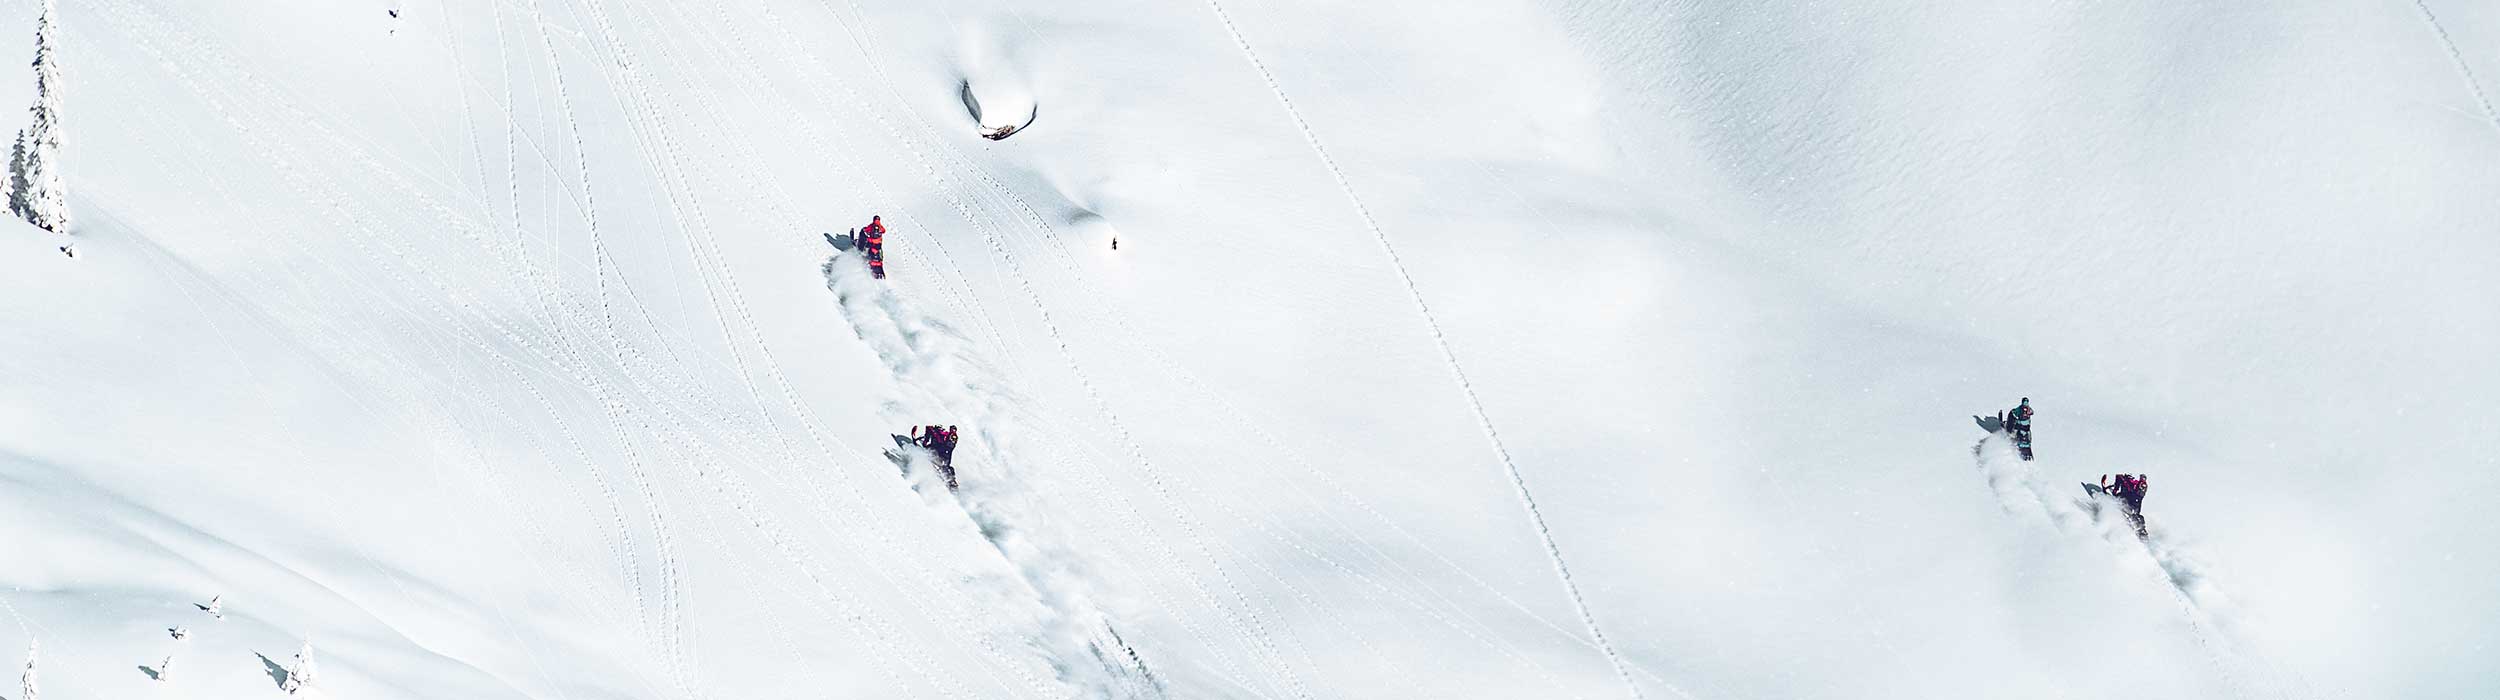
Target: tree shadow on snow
277	673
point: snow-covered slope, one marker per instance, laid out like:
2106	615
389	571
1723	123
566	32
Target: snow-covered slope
495	349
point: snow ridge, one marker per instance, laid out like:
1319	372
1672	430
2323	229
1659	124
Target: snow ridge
1527	500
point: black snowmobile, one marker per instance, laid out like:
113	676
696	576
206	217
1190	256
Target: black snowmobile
2017	426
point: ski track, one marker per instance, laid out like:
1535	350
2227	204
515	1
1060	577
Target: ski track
657	510
1484	421
620	546
437	425
326	338
2464	69
631	564
1007	195
680	667
1173	369
1130	335
434	427
1000	190
708	250
468	117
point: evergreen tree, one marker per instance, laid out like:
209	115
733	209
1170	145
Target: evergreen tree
17	177
301	674
26	689
36	191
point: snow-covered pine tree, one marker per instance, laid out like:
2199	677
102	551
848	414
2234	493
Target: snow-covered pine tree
36	192
301	674
26	687
17	176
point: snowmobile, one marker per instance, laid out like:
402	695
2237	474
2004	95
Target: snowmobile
868	240
1993	424
2020	431
2097	498
935	440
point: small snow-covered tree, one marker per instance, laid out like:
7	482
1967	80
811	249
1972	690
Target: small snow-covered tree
301	674
17	173
36	193
26	683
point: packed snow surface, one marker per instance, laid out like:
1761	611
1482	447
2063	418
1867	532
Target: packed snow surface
1502	349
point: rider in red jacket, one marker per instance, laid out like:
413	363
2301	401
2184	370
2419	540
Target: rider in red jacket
2130	491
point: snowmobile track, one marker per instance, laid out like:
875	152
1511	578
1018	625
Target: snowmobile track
1256	625
776	207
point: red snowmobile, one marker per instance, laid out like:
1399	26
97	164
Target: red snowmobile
2128	493
871	240
937	440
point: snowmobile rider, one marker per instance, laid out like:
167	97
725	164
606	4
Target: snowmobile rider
870	240
2018	424
2130	489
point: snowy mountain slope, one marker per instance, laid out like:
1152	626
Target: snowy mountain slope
494	348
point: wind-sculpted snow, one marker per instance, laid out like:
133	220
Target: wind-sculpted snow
945	383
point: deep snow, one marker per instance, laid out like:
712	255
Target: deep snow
495	349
